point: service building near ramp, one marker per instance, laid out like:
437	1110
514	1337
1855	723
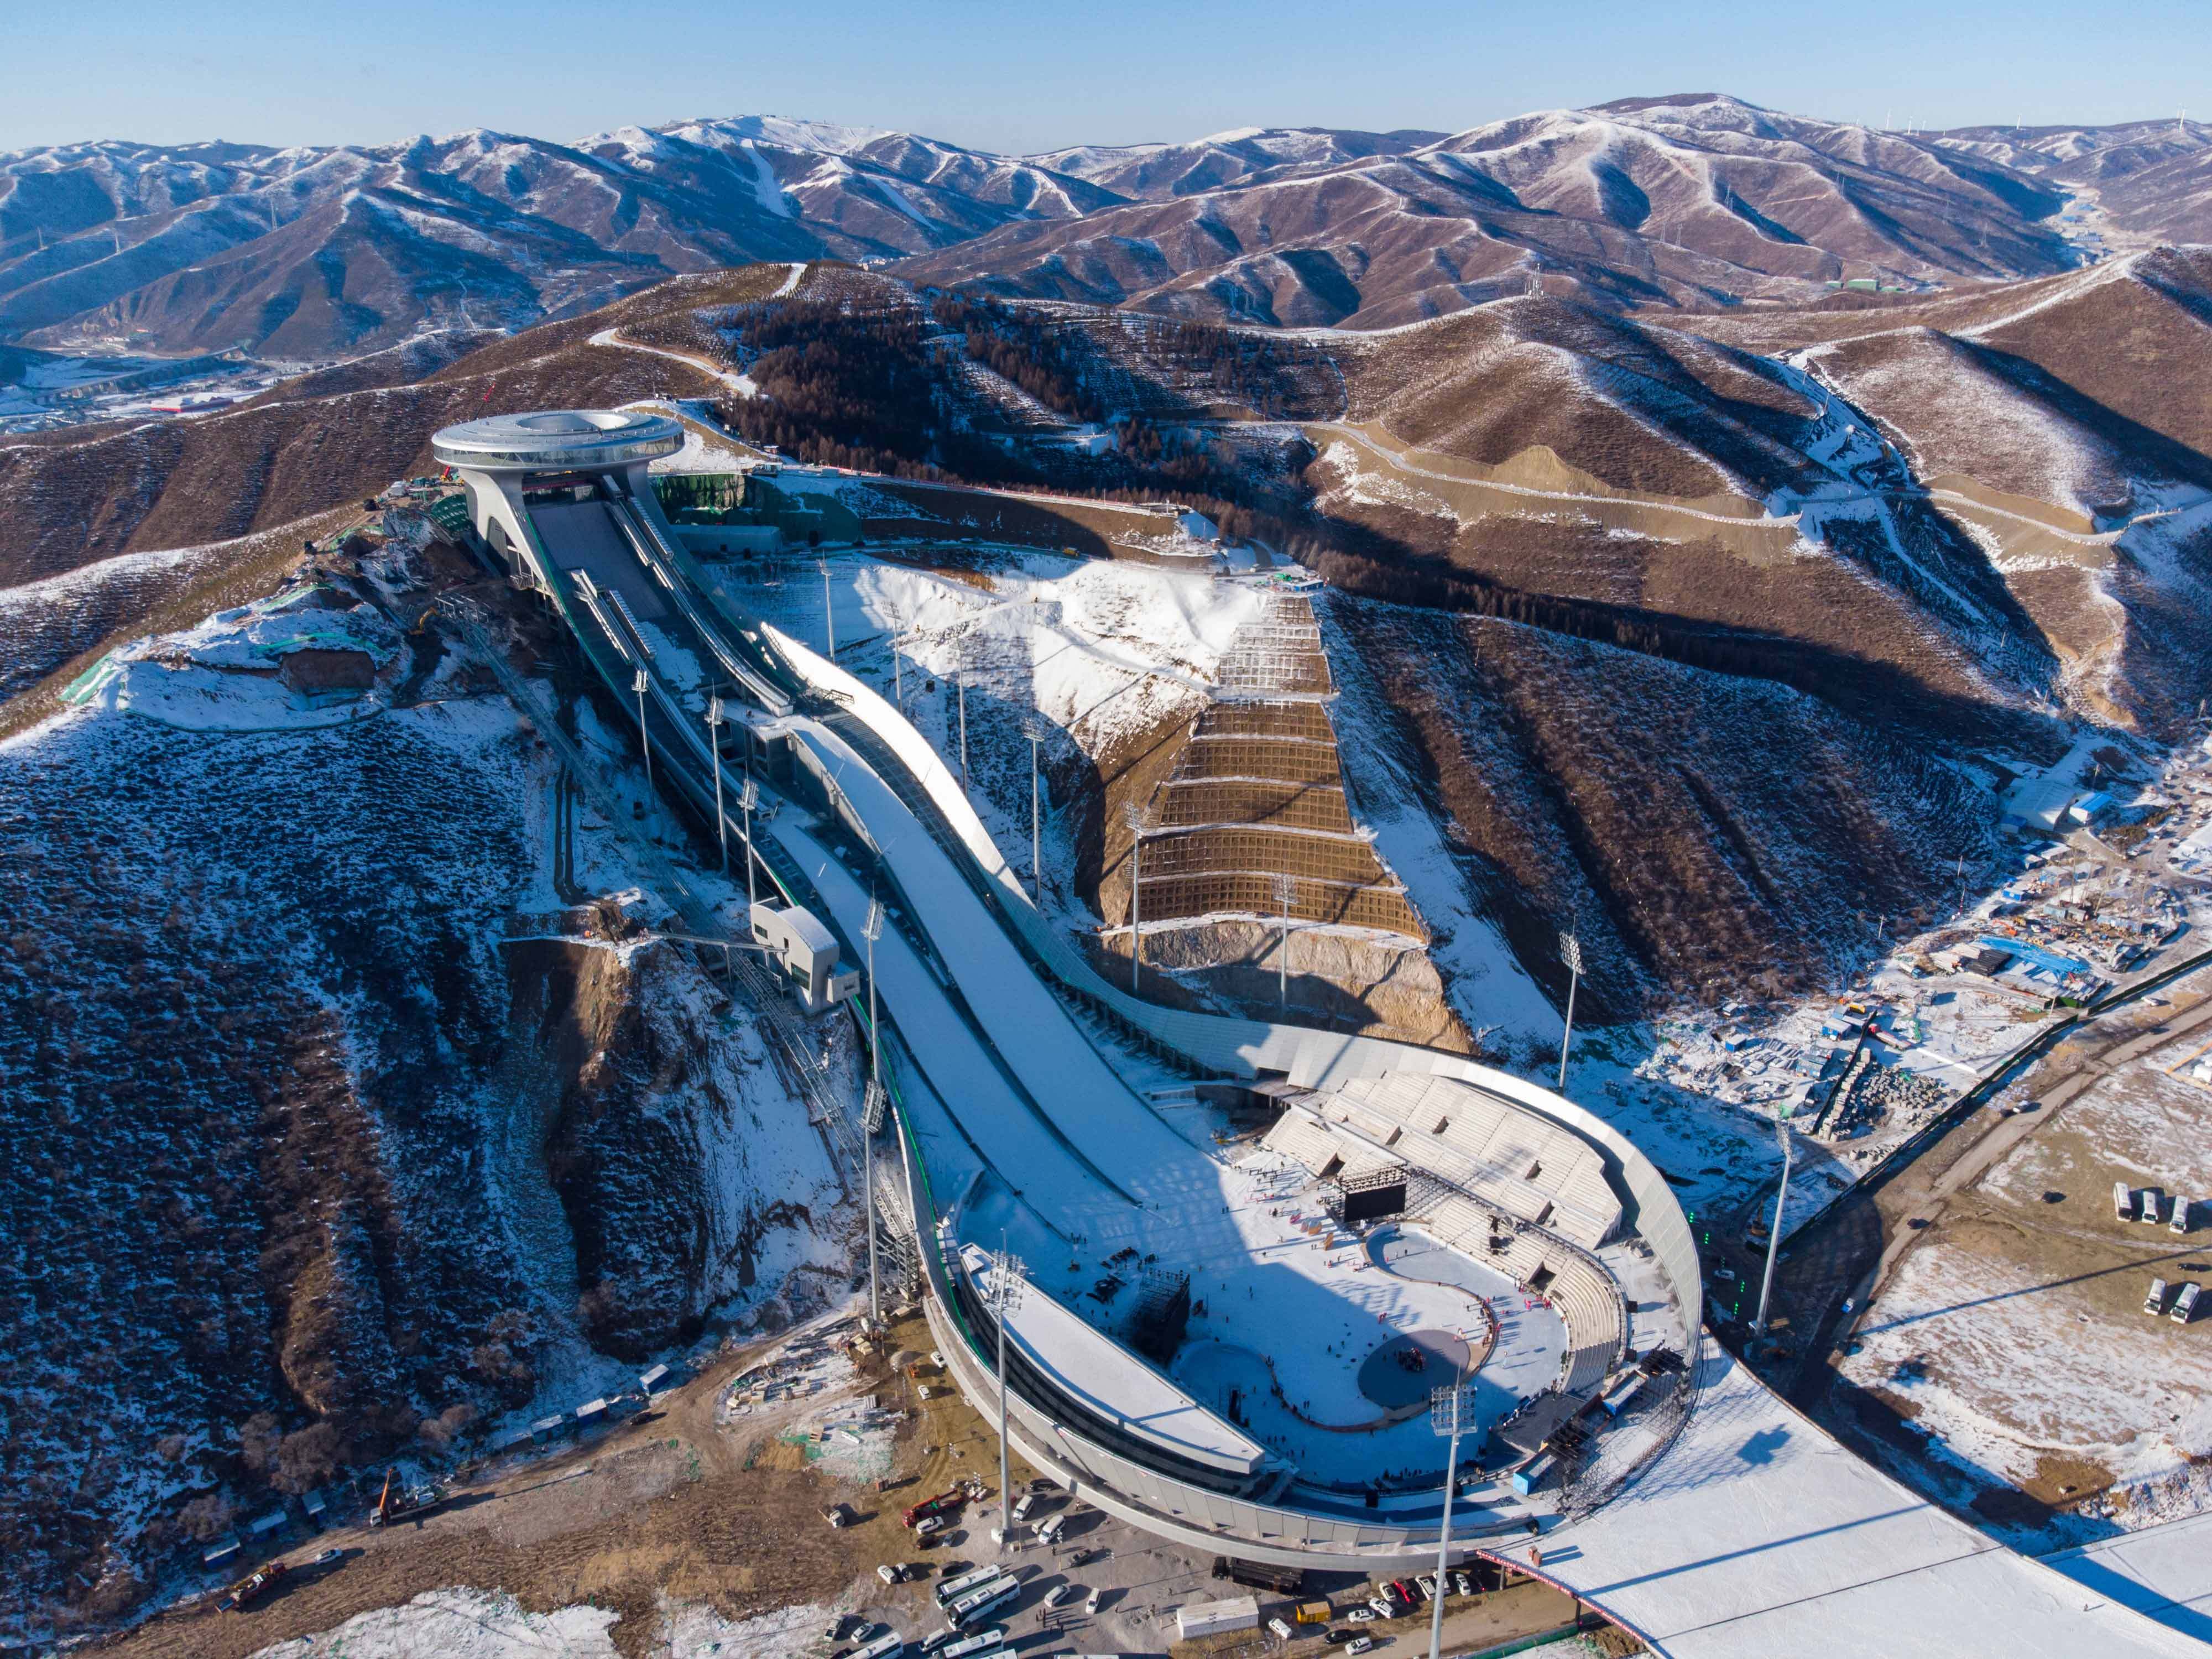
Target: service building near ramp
1233	1341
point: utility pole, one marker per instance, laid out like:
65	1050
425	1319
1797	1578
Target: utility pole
715	742
1570	952
1285	888
960	685
898	680
828	615
1135	815
1033	729
639	686
871	930
748	797
1446	1407
1774	1238
1005	1297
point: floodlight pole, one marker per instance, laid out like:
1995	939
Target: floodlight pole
1457	1394
960	684
748	797
1004	1299
715	742
1570	952
1774	1236
1033	729
828	615
1284	886
1135	815
871	930
639	684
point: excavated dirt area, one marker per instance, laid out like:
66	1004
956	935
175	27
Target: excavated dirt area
669	1505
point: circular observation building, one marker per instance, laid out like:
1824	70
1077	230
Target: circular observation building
511	464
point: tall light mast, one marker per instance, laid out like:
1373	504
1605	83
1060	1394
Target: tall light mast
1570	952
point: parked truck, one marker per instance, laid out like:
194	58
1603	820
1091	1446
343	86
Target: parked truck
398	1503
947	1503
1258	1575
252	1587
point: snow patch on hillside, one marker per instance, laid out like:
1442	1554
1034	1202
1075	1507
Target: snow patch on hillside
460	1624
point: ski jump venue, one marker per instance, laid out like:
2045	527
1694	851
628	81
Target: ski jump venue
1235	1257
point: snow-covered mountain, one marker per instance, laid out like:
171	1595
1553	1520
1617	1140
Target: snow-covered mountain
1156	172
2141	181
309	252
1698	200
1693	199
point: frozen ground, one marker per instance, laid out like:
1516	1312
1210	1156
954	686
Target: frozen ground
459	1624
2014	1336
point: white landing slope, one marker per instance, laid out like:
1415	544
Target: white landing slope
2165	1572
1756	1535
1098	1114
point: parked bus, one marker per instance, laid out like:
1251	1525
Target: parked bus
981	1642
978	1603
2154	1299
2185	1305
951	1589
884	1647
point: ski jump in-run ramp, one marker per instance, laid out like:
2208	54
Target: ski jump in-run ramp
1194	1319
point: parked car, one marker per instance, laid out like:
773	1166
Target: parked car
1361	1644
1280	1628
928	1526
1363	1615
1337	1638
1059	1593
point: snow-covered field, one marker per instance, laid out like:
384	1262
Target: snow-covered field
459	1624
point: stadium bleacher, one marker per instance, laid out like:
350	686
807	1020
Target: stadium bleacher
1526	1198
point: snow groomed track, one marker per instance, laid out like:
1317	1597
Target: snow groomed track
1749	1531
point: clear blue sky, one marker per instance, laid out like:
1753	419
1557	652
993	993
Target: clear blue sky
1034	77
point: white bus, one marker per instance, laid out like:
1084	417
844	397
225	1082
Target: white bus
978	1603
951	1589
882	1647
981	1642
